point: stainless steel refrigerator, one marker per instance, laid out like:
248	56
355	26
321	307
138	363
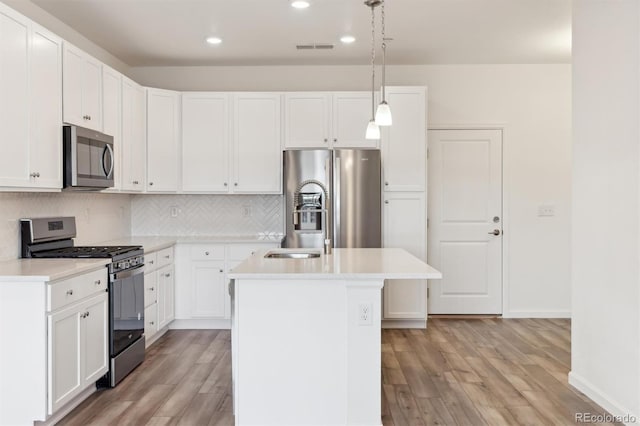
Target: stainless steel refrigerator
335	190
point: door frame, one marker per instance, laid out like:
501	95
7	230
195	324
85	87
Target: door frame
506	234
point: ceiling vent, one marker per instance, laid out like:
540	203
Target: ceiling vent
314	46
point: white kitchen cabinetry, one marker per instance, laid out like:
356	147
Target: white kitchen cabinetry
112	117
134	118
66	325
202	288
159	299
30	104
163	136
256	149
82	88
205	136
404	143
327	120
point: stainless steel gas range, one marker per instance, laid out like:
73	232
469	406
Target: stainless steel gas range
53	238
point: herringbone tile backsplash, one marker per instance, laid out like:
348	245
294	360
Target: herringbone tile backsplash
206	214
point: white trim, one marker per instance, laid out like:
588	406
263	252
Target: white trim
599	397
200	324
506	234
390	323
536	314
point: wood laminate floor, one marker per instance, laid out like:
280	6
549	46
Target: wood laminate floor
457	372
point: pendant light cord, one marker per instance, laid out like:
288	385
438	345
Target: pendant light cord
384	56
373	60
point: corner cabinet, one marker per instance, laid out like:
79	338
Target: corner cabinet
327	120
82	83
134	152
30	105
66	322
163	137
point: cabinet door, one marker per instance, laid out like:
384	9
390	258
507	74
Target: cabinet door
112	117
133	136
64	346
306	120
46	109
404	143
150	321
163	132
205	140
94	338
166	308
351	114
14	99
73	63
150	288
92	93
404	227
257	152
209	288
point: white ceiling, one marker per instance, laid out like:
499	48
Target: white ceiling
265	32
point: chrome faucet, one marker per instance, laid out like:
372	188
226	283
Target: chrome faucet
325	211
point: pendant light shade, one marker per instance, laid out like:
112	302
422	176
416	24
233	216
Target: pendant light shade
373	131
383	114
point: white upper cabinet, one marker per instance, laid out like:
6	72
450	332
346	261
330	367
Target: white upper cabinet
112	117
404	143
30	104
163	135
82	100
134	155
257	152
327	120
205	135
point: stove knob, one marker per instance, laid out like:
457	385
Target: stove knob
121	265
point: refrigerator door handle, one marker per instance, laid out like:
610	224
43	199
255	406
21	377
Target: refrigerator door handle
337	181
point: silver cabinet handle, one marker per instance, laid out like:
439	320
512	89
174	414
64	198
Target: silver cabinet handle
386	184
167	256
235	184
151	262
206	253
151	288
150	183
151	322
167	275
135	182
89	117
494	232
335	140
87	313
69	292
225	184
35	174
386	201
98	282
326	140
221	271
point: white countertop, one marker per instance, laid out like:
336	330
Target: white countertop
385	263
29	270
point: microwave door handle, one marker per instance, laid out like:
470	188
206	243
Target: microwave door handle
107	148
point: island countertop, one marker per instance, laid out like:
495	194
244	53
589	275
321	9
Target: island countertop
346	263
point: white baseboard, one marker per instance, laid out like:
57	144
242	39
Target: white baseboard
537	314
404	324
200	324
625	416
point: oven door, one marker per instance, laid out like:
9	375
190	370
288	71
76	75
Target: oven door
88	158
127	308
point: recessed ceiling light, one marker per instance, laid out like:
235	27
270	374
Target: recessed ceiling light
300	4
347	39
214	40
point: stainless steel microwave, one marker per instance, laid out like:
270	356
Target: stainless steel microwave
88	159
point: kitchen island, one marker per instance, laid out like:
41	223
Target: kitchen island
306	335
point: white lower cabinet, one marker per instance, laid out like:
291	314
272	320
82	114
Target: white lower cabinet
404	227
202	289
159	299
77	349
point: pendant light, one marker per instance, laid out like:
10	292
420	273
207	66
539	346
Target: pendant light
373	131
383	113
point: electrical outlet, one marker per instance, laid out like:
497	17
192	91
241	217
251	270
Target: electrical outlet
365	314
547	210
246	211
174	211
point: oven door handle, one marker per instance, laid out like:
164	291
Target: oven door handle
128	273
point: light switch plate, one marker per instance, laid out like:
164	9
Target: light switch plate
547	210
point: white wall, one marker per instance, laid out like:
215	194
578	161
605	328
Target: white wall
532	101
605	342
99	217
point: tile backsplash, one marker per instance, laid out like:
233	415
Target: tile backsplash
99	217
206	214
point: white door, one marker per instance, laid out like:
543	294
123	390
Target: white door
465	221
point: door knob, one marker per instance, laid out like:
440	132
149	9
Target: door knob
494	232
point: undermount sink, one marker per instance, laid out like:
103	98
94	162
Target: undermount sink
291	255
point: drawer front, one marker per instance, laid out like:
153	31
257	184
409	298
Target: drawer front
150	320
61	293
242	251
165	257
207	252
151	261
150	288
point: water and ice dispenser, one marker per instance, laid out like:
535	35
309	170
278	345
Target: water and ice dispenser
307	214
